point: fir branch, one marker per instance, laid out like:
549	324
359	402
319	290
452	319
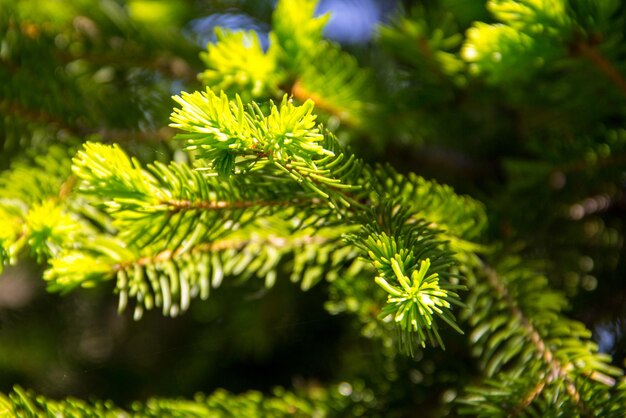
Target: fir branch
165	207
538	351
171	278
337	86
543	347
307	401
557	370
319	163
414	271
236	63
234	139
298	31
179	205
226	244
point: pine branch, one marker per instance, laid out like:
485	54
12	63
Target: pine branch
171	278
542	348
298	31
238	64
337	86
314	401
337	183
542	355
167	214
236	139
322	72
34	207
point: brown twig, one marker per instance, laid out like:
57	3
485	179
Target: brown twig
237	244
602	63
301	93
178	205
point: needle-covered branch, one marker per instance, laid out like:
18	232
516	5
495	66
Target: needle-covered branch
177	224
522	338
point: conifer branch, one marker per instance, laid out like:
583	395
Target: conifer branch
226	244
181	204
269	193
557	370
542	348
528	398
279	403
538	351
300	93
165	207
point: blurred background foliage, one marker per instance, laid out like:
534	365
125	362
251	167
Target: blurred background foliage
527	121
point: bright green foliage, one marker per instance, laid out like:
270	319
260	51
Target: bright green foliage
271	175
149	207
11	238
50	228
541	17
237	63
25	404
321	71
427	42
453	221
30	208
298	31
169	216
535	34
177	245
232	137
414	271
87	266
504	53
35	179
217	126
418	297
317	402
170	279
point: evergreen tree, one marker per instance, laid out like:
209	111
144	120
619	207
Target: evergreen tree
448	194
